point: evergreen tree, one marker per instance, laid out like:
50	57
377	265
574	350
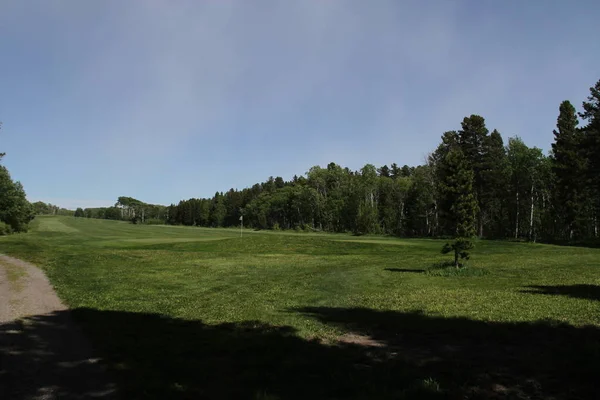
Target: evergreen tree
384	171
591	142
395	171
568	166
218	211
458	187
494	183
471	138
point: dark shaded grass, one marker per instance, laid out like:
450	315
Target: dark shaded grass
583	291
154	356
180	310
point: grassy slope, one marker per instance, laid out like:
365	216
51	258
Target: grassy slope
315	285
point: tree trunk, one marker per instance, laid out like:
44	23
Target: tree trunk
401	216
436	221
455	258
517	219
481	228
531	215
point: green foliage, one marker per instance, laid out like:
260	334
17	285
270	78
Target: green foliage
529	190
79	213
494	184
569	169
154	221
591	145
460	247
15	210
5	229
457	186
41	208
515	191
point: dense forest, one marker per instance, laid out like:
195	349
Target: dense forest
512	190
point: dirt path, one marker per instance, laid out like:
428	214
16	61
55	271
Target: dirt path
43	354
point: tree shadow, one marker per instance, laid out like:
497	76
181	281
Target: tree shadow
582	291
47	356
477	359
592	243
150	356
416	271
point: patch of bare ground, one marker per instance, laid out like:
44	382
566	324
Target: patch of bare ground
43	353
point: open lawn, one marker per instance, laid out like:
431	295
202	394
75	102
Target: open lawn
179	312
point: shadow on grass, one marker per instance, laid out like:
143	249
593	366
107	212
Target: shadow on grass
582	291
416	356
476	359
592	243
47	357
416	271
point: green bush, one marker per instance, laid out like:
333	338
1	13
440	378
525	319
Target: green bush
307	227
154	221
5	229
276	226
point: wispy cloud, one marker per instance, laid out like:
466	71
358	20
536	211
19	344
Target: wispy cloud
162	101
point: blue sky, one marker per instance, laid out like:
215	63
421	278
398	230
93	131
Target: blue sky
167	100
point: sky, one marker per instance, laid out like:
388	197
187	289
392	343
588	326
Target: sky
168	100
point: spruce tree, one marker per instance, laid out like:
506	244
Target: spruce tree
568	166
591	145
471	138
494	184
458	189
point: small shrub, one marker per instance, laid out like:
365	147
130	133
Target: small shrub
431	385
265	396
5	229
154	221
426	389
276	226
460	247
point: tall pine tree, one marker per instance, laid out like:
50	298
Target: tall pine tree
494	183
471	138
458	190
568	166
591	115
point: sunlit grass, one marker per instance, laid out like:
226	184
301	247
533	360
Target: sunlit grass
181	312
216	276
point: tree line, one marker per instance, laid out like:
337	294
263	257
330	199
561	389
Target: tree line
473	183
41	208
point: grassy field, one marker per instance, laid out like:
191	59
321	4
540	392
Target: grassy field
180	312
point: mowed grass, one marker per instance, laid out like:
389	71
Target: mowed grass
202	313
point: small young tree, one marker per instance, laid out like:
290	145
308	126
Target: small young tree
458	188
